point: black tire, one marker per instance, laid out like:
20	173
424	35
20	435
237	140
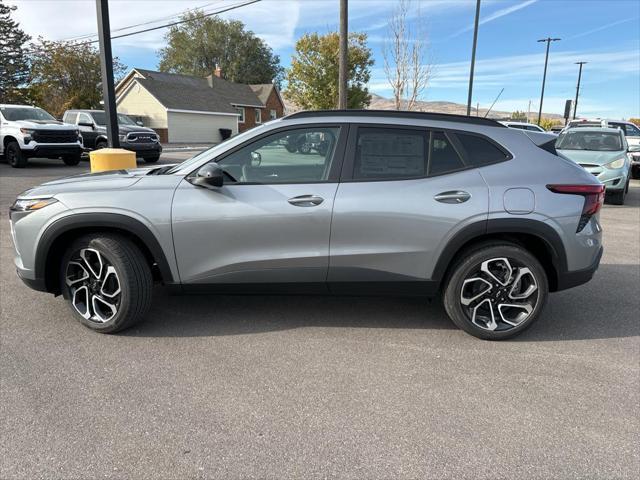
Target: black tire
72	160
616	198
14	155
635	172
468	266
153	159
133	276
101	144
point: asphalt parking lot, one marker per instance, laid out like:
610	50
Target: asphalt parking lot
318	387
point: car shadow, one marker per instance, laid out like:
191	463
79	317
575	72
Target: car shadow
604	308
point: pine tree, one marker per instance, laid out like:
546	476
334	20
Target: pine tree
14	62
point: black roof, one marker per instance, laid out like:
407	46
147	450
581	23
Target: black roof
445	117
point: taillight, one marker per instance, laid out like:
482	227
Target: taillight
593	199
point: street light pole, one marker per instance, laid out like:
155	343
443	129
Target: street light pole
106	66
343	57
575	104
544	76
473	57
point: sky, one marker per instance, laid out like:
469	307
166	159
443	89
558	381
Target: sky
604	33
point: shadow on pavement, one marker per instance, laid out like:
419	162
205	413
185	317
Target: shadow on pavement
588	312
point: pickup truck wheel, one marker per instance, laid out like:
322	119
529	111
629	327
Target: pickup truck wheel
495	291
153	159
72	160
14	155
101	144
107	282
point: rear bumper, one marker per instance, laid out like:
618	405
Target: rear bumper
578	277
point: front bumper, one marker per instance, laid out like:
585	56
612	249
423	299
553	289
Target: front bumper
143	149
53	150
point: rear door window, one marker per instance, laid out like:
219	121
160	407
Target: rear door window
479	151
443	157
390	153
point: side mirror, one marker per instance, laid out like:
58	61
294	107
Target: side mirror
209	176
139	123
256	159
86	124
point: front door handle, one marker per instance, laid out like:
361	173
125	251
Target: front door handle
306	201
453	196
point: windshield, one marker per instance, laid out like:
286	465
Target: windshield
101	119
593	141
25	113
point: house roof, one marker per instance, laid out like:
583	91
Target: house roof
210	94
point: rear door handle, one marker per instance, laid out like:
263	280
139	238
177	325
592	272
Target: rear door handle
306	201
453	196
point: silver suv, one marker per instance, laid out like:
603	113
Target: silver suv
374	202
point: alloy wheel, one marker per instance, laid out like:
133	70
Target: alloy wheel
499	294
93	285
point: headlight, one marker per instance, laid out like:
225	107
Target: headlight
32	204
27	131
619	163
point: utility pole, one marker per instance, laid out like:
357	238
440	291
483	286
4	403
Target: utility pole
544	76
529	113
343	56
106	66
575	104
473	56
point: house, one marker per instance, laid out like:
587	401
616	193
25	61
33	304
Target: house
183	108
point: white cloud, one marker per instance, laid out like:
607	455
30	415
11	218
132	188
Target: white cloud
604	27
495	15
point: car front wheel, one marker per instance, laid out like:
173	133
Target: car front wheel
107	282
496	291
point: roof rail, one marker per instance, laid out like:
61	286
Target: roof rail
444	117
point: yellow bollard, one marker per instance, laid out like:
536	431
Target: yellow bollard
111	159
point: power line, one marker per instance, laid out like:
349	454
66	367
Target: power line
171	24
167	17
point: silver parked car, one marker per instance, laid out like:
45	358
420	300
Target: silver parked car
603	153
400	203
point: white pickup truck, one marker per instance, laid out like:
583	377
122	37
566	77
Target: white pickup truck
27	132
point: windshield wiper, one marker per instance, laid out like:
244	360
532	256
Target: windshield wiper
160	170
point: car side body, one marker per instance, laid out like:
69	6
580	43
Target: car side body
375	221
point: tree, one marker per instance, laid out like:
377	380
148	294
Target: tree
66	75
519	116
635	121
313	76
404	59
547	123
14	65
197	46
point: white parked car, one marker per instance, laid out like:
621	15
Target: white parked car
524	126
27	131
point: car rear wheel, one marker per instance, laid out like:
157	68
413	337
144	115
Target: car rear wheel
107	282
14	155
495	292
153	159
101	144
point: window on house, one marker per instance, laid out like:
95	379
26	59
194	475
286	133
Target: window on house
241	113
258	115
273	114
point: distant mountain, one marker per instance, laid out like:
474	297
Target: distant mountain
382	103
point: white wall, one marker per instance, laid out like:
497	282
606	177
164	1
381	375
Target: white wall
199	127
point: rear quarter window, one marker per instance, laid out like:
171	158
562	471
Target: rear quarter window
480	151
